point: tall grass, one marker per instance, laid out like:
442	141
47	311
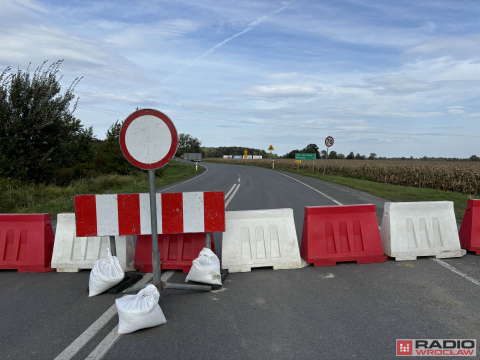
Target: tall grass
21	197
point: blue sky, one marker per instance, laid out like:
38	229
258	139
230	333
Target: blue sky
397	78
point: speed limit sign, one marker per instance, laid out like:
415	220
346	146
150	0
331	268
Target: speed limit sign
329	141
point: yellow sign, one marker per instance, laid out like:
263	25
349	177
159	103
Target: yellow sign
298	161
245	152
271	148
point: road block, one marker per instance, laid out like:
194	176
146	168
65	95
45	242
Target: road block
26	242
177	251
334	234
260	238
72	253
470	229
412	229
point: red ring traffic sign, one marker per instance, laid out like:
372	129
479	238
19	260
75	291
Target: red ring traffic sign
329	141
148	139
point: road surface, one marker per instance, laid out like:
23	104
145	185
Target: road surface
339	312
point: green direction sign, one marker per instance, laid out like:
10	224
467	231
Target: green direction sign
305	156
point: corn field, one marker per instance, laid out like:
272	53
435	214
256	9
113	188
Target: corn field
457	176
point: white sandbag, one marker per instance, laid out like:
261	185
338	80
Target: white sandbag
205	269
139	311
105	274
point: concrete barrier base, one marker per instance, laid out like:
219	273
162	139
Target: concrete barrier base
260	238
72	254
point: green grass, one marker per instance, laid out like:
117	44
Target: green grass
18	197
391	192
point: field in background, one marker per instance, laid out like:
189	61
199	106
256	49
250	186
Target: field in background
19	197
457	176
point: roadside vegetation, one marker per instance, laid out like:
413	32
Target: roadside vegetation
391	180
47	155
22	197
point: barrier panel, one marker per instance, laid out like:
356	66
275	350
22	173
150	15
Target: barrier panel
259	238
26	242
470	229
177	251
334	234
129	214
412	229
71	253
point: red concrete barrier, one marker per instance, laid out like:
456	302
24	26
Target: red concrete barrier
26	242
334	234
177	251
470	229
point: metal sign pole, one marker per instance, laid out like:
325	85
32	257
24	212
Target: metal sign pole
208	244
153	217
326	157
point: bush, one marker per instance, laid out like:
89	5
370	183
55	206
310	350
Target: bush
39	136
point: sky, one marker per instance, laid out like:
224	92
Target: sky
395	78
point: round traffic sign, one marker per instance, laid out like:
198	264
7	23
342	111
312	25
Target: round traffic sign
329	141
148	139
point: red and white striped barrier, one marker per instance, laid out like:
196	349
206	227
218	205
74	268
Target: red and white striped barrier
129	214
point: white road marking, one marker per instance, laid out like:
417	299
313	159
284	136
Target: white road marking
328	197
238	179
456	271
231	197
113	336
196	177
88	334
233	187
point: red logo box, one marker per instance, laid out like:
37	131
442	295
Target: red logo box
404	347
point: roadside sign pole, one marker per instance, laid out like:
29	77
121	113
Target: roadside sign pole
326	157
153	217
208	244
144	122
328	142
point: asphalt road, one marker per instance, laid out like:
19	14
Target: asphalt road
338	312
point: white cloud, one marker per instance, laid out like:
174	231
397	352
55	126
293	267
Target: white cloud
281	91
452	46
384	114
456	111
400	84
282	76
455	107
472	115
149	33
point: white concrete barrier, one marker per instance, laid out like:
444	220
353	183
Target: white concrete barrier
71	253
260	238
412	229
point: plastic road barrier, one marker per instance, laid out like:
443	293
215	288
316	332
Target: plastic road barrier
26	242
259	238
412	229
177	251
129	214
470	229
71	253
334	234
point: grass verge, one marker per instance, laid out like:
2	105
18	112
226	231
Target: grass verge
18	197
391	192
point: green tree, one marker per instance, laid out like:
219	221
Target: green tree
358	157
351	156
188	144
311	148
110	158
372	156
333	155
474	158
39	135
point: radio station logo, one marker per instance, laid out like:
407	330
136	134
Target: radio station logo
437	347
